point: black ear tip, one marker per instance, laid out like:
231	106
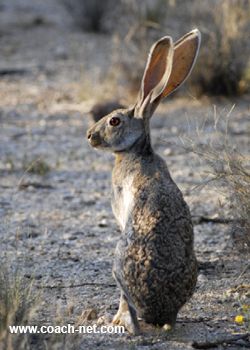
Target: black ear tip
167	39
195	32
131	112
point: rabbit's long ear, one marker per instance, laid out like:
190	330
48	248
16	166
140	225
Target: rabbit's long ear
185	53
155	77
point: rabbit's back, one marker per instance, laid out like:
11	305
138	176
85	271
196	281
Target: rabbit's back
155	261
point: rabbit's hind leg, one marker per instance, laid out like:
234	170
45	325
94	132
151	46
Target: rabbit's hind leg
126	316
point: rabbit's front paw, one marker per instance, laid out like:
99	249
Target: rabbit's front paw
124	319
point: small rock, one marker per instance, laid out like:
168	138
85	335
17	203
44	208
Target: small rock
174	130
78	233
68	198
167	152
202	279
89	314
72	238
38	277
105	319
33	234
236	304
103	223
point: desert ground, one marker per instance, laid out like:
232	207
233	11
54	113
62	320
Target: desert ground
57	228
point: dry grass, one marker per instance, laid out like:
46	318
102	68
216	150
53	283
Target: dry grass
229	170
224	63
17	306
88	15
133	39
20	304
223	67
37	166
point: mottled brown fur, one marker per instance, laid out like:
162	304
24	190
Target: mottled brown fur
158	264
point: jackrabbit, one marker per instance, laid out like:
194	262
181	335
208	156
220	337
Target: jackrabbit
155	265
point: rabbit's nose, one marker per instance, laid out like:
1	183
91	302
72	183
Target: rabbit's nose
89	134
94	138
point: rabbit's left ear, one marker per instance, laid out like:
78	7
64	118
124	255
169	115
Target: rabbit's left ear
185	53
155	77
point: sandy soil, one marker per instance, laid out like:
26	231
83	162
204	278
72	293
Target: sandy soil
59	227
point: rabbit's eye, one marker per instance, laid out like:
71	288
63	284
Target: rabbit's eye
114	121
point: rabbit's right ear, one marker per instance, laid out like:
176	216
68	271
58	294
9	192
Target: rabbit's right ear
155	77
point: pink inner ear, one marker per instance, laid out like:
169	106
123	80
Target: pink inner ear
156	66
155	72
184	57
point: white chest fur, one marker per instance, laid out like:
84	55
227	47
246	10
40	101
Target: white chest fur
122	202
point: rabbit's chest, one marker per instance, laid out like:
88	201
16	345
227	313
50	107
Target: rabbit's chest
123	201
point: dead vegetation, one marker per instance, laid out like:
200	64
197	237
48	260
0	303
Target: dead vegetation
88	15
134	25
18	304
224	25
224	61
229	170
37	166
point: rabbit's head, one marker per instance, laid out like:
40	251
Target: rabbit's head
168	66
117	131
